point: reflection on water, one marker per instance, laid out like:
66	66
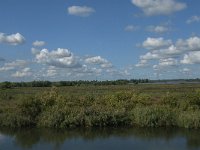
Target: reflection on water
107	139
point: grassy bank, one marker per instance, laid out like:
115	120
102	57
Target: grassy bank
100	106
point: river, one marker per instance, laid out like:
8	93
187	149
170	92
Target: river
100	139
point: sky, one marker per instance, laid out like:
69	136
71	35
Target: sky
99	39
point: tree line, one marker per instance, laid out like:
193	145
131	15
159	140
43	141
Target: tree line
8	84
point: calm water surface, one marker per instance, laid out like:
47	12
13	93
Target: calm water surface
100	139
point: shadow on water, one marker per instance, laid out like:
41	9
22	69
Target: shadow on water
29	138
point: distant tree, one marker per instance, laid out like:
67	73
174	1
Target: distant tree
6	85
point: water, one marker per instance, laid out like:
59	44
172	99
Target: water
100	139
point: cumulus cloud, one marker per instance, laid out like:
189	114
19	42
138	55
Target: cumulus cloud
161	48
13	39
38	43
98	60
156	43
193	19
190	44
159	7
170	51
22	73
107	65
158	29
191	58
149	56
95	60
166	53
131	28
62	63
82	11
61	58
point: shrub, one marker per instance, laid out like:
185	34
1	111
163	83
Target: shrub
30	108
188	119
153	116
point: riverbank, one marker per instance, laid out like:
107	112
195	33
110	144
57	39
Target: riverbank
102	106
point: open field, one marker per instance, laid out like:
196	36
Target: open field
149	105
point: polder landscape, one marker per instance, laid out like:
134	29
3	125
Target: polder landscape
100	75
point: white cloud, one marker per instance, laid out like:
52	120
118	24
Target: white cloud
191	58
190	44
157	29
131	28
193	43
168	53
107	65
98	60
61	58
23	73
38	43
161	48
159	7
156	43
149	56
193	19
62	63
142	63
13	39
168	62
17	63
51	72
13	65
82	11
35	51
95	60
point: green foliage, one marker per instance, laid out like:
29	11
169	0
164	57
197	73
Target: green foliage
6	85
70	83
153	116
87	106
30	108
189	119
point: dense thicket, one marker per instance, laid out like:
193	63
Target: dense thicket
122	108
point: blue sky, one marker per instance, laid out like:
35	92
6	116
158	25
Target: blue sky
99	39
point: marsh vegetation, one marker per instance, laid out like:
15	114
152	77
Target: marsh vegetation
142	105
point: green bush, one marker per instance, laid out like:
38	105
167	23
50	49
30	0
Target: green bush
153	116
30	107
14	121
188	119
